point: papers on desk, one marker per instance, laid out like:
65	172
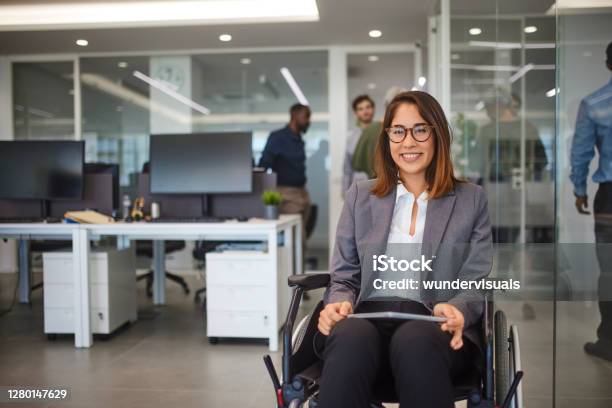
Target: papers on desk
88	217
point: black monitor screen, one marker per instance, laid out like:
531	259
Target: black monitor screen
41	169
201	163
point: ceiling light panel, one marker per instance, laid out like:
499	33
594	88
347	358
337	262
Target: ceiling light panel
295	88
77	15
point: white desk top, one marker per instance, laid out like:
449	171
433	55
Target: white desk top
253	227
51	230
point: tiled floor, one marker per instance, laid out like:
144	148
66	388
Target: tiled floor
165	360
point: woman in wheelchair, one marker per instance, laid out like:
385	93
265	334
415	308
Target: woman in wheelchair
415	199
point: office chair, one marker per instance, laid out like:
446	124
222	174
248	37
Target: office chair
145	249
199	254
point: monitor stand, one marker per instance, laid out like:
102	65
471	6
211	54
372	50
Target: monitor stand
206	206
45	206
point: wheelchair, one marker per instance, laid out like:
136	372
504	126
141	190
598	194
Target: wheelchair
497	386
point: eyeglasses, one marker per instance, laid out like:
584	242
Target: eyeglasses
420	132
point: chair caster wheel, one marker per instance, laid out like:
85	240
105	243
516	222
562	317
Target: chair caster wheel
213	340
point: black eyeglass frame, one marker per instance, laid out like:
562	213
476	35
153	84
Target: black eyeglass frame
410	130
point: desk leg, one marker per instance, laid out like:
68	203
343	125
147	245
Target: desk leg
25	278
80	269
299	256
276	281
159	273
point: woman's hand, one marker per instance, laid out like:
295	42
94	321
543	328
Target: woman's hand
332	314
453	325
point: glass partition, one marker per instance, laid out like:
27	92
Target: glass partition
43	100
125	99
502	65
584	146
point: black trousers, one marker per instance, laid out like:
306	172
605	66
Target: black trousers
602	209
366	360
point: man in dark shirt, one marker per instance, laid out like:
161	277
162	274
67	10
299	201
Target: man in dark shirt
284	154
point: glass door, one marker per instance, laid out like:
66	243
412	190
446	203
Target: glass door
502	111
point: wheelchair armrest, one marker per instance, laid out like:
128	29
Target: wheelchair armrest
309	281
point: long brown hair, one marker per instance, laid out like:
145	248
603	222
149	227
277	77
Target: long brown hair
439	175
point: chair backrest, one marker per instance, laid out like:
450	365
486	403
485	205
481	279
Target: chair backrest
311	221
145	248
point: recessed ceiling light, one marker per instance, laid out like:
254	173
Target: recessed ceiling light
122	64
82	43
551	93
531	29
372	58
375	33
225	37
422	81
371	85
414	88
245	61
475	31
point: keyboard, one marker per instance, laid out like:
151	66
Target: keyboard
27	220
189	220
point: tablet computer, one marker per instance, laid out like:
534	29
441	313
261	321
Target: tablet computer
398	316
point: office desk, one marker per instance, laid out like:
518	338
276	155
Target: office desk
289	226
25	232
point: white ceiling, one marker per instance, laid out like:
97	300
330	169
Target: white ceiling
341	22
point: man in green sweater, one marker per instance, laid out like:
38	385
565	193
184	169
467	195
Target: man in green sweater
363	157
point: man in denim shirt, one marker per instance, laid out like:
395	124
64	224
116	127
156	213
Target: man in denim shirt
594	129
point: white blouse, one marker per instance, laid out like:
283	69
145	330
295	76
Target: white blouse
402	216
399	233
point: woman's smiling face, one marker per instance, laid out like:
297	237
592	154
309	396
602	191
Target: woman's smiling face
411	157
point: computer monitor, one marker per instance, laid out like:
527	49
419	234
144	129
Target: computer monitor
43	170
201	163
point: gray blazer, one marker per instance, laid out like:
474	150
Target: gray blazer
460	218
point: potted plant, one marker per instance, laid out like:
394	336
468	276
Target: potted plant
271	200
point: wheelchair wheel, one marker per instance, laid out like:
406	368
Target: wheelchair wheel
515	365
502	357
295	403
300	331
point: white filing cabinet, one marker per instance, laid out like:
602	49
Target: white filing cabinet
244	295
112	284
